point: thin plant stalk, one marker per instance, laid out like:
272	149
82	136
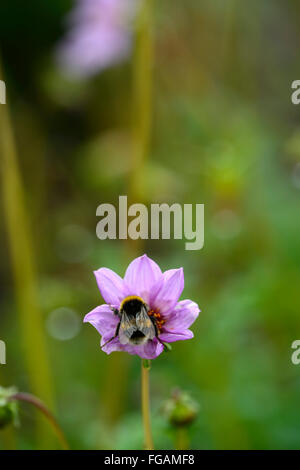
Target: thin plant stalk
182	438
37	403
7	435
146	406
23	268
9	438
142	78
142	83
142	119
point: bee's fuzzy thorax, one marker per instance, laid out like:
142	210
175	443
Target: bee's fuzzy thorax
131	297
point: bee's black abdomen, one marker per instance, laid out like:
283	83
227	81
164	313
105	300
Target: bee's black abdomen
137	337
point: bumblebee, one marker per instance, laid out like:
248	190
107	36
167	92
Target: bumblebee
136	326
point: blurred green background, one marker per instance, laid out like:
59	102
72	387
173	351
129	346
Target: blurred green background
224	133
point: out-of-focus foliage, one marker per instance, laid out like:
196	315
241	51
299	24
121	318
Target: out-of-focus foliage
224	134
8	408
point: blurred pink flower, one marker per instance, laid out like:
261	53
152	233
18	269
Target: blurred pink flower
160	292
99	35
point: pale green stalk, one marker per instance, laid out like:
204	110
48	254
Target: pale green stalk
182	438
142	118
8	437
29	319
142	78
145	396
142	101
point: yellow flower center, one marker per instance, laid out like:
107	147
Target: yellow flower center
158	318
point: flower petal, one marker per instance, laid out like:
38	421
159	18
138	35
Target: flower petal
111	286
112	346
183	315
142	276
151	349
170	291
170	337
104	320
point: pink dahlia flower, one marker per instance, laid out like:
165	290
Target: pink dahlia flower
143	284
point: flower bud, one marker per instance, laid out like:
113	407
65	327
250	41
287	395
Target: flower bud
181	409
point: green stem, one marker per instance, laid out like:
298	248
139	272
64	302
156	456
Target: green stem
9	438
146	405
182	438
142	100
113	394
7	435
23	265
142	116
28	398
